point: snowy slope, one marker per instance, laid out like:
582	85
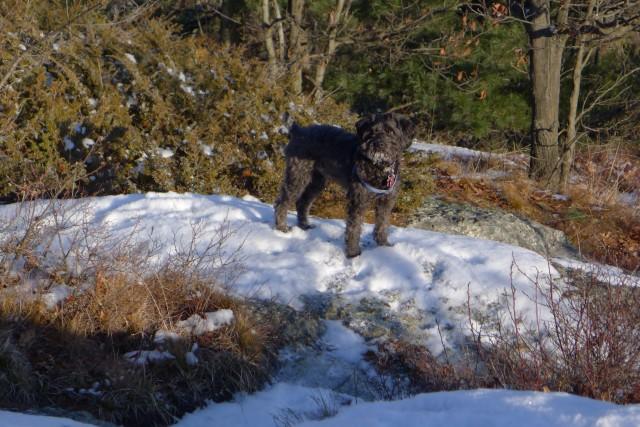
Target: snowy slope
423	272
14	419
477	408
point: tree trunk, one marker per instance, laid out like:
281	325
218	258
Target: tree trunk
225	28
582	57
282	43
268	39
569	145
335	18
297	46
546	53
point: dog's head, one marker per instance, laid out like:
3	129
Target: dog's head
382	139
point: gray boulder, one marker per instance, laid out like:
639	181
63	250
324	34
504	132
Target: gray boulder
492	224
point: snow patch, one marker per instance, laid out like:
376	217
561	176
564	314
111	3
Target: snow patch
207	150
165	153
198	325
56	295
604	273
131	58
15	419
68	144
479	408
88	142
344	343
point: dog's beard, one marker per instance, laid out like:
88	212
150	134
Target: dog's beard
381	175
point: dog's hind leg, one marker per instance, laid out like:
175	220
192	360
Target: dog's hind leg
296	178
303	205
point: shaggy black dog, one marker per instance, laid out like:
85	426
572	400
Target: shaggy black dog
367	165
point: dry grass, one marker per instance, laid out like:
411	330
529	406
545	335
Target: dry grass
592	216
70	355
589	347
55	355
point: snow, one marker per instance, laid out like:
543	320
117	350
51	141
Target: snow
282	130
450	152
165	153
187	89
207	150
335	362
68	144
306	407
14	419
190	357
56	294
422	272
343	342
431	275
198	325
79	129
479	408
88	142
131	58
605	273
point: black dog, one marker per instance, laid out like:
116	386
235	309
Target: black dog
367	165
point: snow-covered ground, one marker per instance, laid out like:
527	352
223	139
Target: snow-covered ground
304	403
451	152
605	273
423	272
477	408
14	419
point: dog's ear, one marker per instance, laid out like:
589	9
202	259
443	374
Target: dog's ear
407	126
364	123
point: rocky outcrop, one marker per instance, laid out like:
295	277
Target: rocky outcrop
492	224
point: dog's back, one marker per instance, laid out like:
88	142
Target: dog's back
318	142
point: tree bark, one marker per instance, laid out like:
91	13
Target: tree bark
568	149
546	51
297	47
335	18
282	43
268	39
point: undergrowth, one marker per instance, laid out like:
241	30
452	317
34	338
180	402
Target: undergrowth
593	213
80	310
587	345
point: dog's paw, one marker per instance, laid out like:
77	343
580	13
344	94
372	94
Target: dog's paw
353	253
306	226
283	228
385	243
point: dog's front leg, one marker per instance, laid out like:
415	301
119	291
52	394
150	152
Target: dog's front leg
384	205
356	206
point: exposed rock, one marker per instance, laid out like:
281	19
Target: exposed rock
492	224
